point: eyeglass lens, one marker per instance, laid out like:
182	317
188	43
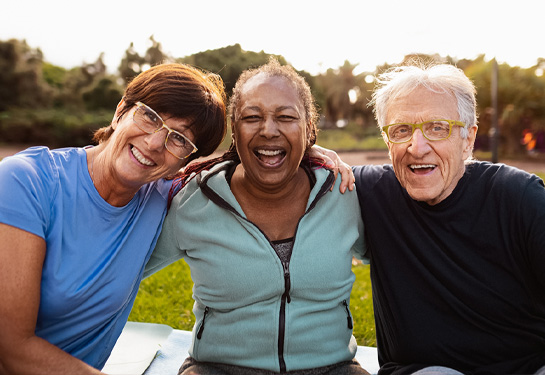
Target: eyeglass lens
433	130
149	122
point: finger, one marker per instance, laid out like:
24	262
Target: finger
347	177
335	171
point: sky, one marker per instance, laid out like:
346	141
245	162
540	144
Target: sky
312	35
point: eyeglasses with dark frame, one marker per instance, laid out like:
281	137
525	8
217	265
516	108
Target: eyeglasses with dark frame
147	120
432	130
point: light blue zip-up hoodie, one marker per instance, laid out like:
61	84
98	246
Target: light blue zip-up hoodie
251	310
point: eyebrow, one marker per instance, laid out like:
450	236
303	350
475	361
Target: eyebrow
432	118
279	109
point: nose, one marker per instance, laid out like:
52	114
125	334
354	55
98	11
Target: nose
269	127
156	140
418	145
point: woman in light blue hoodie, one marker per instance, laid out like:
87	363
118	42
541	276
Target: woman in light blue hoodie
269	247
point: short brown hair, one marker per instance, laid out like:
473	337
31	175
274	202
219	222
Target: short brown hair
180	91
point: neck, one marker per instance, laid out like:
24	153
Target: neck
107	186
275	212
242	185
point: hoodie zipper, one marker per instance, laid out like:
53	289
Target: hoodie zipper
282	323
214	197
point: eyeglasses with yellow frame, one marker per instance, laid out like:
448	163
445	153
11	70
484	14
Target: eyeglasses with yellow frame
433	130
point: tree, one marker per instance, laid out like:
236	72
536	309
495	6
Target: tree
154	54
336	85
229	62
131	64
521	103
21	81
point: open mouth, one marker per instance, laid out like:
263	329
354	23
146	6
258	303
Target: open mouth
141	158
270	157
422	168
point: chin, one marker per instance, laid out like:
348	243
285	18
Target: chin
421	196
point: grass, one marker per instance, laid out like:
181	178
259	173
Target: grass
165	298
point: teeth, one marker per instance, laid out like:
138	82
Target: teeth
417	166
141	157
269	152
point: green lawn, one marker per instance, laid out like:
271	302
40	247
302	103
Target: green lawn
165	298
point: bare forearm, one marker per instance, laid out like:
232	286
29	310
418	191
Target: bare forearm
37	356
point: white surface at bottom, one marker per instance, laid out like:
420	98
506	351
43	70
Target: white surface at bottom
157	349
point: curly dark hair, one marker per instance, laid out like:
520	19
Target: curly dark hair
271	69
274	69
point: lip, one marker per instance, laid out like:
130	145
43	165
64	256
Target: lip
270	156
422	168
142	159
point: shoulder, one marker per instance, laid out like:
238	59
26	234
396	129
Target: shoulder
214	178
32	164
32	157
29	182
507	185
367	176
501	176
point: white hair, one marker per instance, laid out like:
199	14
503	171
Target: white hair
442	78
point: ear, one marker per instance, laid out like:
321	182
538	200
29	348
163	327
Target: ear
120	106
117	113
469	142
385	139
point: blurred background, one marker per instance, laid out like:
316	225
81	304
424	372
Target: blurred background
63	66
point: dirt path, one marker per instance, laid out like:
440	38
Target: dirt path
357	158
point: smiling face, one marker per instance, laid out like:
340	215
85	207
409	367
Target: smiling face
135	158
270	131
428	170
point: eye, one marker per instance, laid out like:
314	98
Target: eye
177	139
286	118
439	127
150	116
400	130
251	118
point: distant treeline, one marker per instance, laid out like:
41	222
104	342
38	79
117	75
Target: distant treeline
41	103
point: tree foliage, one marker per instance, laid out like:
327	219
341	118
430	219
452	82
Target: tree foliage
29	82
21	81
229	62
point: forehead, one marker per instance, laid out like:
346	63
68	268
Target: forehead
422	104
269	91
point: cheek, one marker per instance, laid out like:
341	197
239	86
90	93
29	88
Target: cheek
241	135
173	164
396	153
299	134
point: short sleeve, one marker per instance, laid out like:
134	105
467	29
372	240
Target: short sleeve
27	185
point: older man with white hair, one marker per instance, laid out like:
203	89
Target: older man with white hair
456	246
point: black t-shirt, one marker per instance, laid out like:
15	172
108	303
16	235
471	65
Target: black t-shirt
461	283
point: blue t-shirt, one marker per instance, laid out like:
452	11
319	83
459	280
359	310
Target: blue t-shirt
95	252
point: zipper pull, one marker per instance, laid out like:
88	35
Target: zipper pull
201	328
287	281
349	317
